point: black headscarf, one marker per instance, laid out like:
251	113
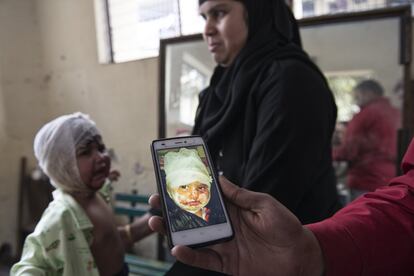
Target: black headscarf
274	13
273	34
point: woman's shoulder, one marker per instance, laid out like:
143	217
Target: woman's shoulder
292	74
289	79
291	67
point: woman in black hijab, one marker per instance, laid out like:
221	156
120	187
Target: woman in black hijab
268	114
268	117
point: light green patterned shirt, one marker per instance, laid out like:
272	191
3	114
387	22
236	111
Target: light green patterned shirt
60	243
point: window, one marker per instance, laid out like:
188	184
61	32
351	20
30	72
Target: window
131	29
360	1
307	8
337	6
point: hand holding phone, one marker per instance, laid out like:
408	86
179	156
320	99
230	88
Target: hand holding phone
191	198
267	237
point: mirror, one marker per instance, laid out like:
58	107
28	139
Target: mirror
348	48
185	69
351	47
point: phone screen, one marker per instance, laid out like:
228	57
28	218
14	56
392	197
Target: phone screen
189	188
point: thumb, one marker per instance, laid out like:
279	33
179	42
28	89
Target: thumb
204	257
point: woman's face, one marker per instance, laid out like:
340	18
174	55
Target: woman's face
93	163
191	197
225	29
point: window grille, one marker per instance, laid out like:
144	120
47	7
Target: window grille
135	27
131	29
308	8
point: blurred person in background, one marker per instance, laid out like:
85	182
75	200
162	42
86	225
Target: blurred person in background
369	144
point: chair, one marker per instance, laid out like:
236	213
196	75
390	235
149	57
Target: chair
34	196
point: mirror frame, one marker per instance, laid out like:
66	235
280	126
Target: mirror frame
164	43
403	13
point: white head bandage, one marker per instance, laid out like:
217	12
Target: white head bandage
55	147
184	167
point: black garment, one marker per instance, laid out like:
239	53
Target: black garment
124	271
277	140
269	117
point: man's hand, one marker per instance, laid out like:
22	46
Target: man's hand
268	240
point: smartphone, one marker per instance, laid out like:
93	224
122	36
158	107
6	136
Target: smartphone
192	202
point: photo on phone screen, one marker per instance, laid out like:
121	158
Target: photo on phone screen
190	193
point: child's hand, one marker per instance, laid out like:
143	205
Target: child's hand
114	175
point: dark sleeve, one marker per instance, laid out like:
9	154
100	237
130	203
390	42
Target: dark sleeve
371	236
291	150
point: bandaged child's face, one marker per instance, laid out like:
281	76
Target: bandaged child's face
191	197
93	163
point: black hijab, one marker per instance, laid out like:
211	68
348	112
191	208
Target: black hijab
273	34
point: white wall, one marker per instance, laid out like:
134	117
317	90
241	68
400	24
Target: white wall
49	67
21	100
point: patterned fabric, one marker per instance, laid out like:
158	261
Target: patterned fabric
60	243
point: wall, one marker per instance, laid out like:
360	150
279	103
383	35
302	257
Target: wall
49	67
21	100
121	98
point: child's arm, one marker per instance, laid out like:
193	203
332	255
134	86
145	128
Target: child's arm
135	231
32	261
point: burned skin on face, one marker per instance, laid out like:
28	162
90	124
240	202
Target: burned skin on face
192	197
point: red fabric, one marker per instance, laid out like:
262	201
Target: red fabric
370	146
374	235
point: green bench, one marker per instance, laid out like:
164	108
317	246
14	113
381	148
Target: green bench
134	205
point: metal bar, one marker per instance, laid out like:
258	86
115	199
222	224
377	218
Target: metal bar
109	29
132	198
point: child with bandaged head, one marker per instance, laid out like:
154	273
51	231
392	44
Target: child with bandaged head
188	181
77	234
193	202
